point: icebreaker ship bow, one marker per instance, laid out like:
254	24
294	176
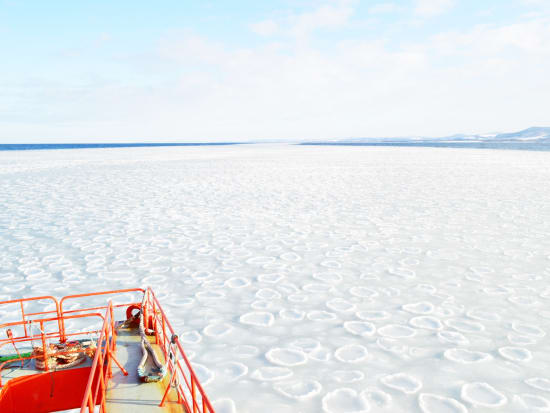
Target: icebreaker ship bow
133	365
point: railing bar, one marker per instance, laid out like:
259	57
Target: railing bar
104	307
60	306
98	355
166	352
50	334
193	395
47	335
45	354
23	317
155	323
101	379
178	344
40	312
44	297
182	392
69	317
183	375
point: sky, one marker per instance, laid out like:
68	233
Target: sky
197	71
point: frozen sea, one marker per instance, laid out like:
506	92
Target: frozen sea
307	278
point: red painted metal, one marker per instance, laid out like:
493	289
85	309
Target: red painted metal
100	371
41	393
193	394
98	293
42	337
92	391
28	316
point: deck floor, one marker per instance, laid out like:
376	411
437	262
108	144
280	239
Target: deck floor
127	394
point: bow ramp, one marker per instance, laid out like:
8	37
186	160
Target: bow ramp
135	365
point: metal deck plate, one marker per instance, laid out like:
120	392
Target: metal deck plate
127	394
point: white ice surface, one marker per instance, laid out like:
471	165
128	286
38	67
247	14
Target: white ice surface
307	279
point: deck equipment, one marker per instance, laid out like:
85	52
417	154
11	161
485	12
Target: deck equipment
133	365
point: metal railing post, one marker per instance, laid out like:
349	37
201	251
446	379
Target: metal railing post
23	318
45	354
193	395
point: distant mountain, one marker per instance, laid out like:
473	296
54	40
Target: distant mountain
533	134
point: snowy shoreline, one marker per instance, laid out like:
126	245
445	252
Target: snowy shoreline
343	279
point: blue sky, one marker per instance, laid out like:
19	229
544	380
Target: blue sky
95	71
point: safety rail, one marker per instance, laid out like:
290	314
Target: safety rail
42	338
101	370
25	317
59	312
183	378
47	335
192	395
87	295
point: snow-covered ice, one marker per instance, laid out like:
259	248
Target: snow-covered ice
303	278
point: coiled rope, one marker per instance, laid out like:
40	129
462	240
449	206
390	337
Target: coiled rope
146	349
74	353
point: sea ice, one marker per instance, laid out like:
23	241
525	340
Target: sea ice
306	278
345	400
483	394
433	403
403	382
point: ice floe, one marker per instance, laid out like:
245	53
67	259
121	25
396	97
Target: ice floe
336	279
351	353
345	400
299	390
286	356
483	395
403	382
434	403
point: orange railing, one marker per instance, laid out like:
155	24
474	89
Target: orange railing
42	337
182	376
63	312
101	371
192	395
27	318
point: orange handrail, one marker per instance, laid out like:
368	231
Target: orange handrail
41	321
171	347
101	365
192	396
42	337
74	296
21	301
183	379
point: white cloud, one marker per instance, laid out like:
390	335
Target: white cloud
532	37
382	8
366	88
431	8
324	17
327	16
265	27
537	7
484	78
190	48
